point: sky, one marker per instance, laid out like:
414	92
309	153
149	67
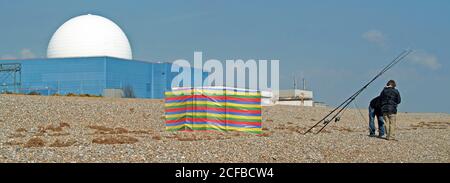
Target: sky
337	46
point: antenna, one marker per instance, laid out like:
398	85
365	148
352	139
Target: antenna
304	84
295	83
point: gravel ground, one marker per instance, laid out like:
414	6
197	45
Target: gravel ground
77	129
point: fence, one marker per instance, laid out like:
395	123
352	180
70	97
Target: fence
94	87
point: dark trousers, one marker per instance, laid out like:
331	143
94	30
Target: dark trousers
372	123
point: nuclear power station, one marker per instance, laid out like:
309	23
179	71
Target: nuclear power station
88	54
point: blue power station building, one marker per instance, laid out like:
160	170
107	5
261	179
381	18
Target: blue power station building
86	75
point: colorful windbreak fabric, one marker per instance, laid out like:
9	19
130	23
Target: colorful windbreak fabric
213	109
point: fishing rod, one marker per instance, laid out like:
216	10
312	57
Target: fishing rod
337	112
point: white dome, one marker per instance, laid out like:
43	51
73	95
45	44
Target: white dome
89	36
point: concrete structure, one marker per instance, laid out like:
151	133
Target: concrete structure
89	75
267	98
296	97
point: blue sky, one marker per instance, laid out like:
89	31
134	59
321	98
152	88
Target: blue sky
335	45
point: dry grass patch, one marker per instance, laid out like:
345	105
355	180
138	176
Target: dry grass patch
13	143
17	135
121	139
39	134
107	130
64	125
206	135
343	129
236	134
60	143
35	142
141	132
21	130
55	128
100	128
51	128
58	134
112	131
200	137
290	128
119	130
171	136
186	139
265	134
157	137
432	125
71	95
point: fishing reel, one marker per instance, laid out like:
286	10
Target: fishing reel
337	119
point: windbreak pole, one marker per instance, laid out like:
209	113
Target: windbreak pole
337	112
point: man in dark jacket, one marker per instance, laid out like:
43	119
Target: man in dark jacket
375	110
390	98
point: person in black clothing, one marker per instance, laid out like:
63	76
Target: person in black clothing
390	98
375	110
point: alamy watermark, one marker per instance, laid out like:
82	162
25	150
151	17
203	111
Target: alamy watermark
262	75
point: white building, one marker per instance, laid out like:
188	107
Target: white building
295	97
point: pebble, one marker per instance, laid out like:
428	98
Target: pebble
423	137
